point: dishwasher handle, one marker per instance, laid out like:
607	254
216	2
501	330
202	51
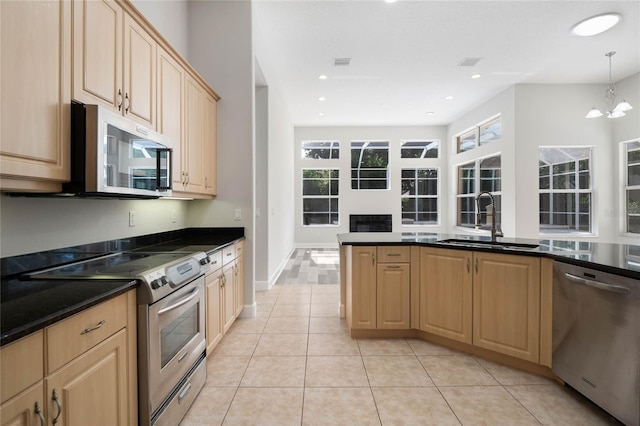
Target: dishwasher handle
598	284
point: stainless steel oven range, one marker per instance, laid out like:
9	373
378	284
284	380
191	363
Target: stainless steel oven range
171	325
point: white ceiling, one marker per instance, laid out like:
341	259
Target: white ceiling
405	54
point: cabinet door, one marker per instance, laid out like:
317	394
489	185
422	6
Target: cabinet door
210	167
229	310
194	112
214	289
170	111
363	288
139	73
35	42
97	52
92	389
25	409
393	294
506	304
239	284
446	288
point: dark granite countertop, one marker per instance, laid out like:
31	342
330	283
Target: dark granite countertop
28	305
619	259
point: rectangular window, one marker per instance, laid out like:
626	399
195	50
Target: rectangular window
482	175
480	135
419	149
320	150
320	196
632	187
369	161
565	189
419	196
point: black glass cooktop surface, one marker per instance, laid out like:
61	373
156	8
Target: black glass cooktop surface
114	266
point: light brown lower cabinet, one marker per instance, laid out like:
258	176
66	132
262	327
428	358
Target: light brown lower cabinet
446	293
393	296
215	293
73	378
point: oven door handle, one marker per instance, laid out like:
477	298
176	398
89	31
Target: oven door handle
187	299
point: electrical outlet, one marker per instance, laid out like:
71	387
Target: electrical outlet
238	214
132	218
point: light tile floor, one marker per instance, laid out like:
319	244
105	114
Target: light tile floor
295	363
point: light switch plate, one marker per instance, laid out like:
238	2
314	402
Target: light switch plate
238	214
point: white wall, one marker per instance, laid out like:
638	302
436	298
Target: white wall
363	201
36	224
170	18
220	49
503	105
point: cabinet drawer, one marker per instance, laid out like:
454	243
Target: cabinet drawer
216	260
394	254
71	337
228	254
22	364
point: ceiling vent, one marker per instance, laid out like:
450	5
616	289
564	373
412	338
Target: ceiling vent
341	62
468	62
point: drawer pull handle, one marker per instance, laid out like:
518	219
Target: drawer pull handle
95	327
393	267
38	411
476	262
57	401
184	393
394	254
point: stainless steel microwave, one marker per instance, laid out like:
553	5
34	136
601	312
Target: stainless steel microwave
112	156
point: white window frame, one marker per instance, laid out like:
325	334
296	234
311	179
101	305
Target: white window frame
359	179
477	190
421	196
329	196
422	157
477	132
627	187
333	144
576	191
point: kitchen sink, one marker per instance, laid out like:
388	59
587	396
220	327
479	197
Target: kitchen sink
488	244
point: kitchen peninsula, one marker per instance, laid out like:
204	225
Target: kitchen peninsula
493	299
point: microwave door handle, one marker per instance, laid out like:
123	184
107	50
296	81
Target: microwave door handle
159	185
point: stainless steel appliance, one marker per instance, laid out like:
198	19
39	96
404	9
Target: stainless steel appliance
113	156
171	325
596	338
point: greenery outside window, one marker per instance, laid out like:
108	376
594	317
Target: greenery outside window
419	196
369	161
632	187
480	135
320	197
565	189
473	178
320	150
419	149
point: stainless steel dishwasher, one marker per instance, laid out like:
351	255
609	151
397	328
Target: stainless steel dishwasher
596	338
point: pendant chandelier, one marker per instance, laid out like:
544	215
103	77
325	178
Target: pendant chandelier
615	109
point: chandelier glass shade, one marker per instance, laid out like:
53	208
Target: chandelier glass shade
615	108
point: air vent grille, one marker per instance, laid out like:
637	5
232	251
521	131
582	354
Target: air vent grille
341	62
469	62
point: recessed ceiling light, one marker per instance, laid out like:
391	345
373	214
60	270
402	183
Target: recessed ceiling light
390	1
430	113
474	76
449	97
321	114
322	98
322	77
596	24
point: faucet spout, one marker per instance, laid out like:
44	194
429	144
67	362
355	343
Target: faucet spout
495	229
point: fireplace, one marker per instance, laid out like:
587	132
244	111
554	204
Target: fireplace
370	223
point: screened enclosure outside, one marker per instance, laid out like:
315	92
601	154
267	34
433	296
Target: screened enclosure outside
320	197
565	189
632	189
419	196
369	165
320	150
419	149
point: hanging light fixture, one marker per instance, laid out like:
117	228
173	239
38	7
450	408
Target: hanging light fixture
615	109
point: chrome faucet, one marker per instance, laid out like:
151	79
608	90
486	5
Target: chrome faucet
495	229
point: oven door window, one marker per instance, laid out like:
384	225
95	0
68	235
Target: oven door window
175	335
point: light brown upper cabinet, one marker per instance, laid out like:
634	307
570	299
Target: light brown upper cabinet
114	60
35	39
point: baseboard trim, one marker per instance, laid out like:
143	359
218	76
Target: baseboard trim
248	311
